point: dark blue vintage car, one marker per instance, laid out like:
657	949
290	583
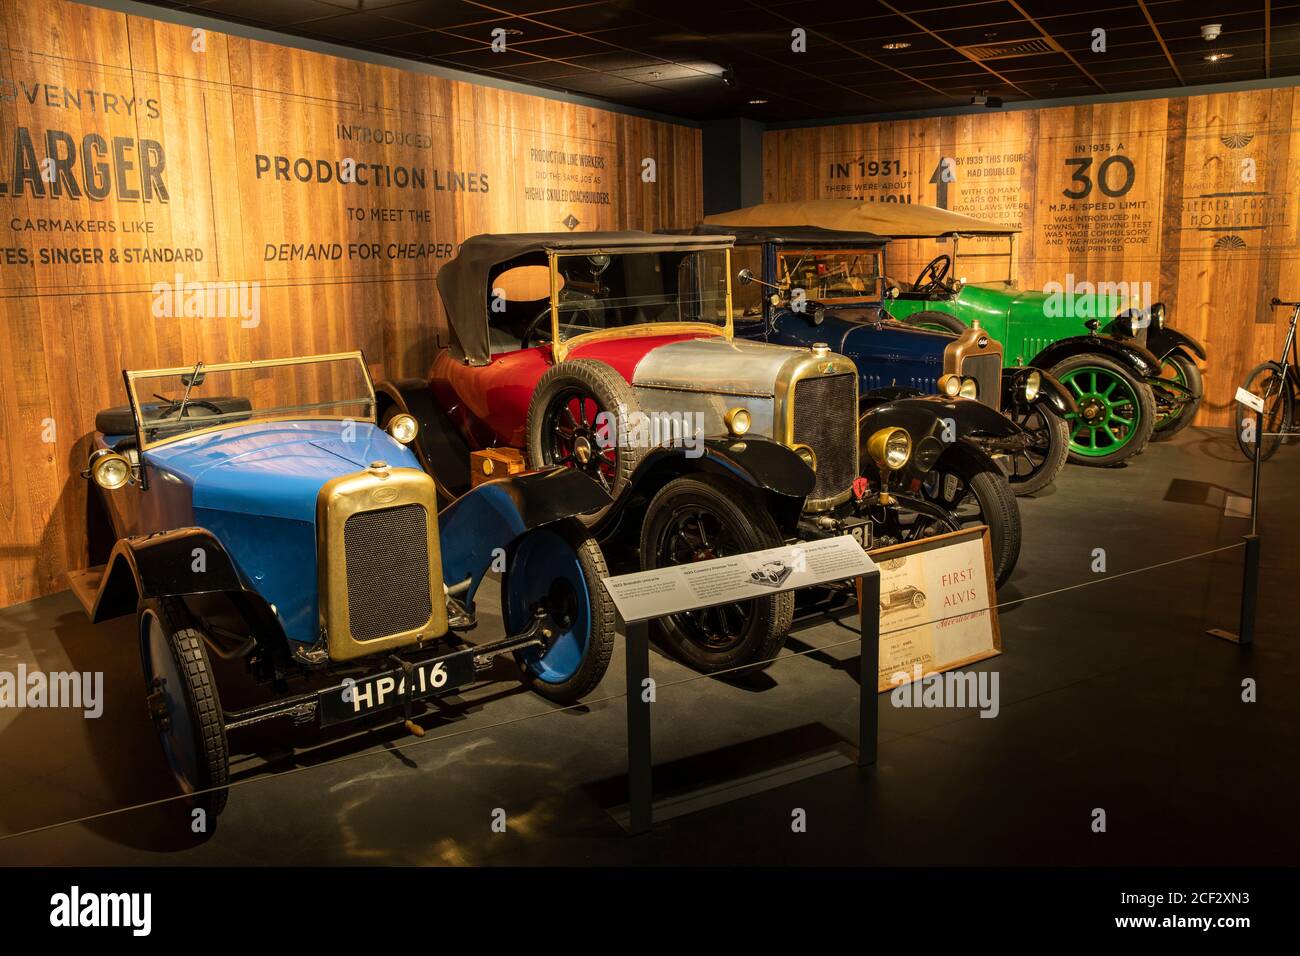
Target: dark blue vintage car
809	286
256	513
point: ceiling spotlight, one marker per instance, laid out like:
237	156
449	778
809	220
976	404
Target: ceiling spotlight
1211	31
757	102
1216	57
897	45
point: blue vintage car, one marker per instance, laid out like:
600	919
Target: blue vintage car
257	513
806	286
819	285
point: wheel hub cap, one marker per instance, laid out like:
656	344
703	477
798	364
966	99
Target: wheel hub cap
582	449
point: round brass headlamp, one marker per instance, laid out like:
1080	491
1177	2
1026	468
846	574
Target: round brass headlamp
110	470
738	420
950	385
1158	315
808	455
969	388
1033	382
403	427
890	448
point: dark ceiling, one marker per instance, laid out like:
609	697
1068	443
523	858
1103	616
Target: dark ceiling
707	59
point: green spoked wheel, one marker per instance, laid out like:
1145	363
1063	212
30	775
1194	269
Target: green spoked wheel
1117	413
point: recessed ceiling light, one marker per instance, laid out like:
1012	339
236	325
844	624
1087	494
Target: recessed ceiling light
757	102
897	45
1216	57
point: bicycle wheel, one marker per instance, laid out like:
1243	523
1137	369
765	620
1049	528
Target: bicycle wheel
1268	381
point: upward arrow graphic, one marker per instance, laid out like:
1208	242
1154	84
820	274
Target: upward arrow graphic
940	185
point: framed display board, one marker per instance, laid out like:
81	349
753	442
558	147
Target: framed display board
937	606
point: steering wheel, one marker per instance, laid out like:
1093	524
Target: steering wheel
538	326
932	276
182	411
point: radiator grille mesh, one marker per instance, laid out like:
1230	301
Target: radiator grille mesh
826	420
387	554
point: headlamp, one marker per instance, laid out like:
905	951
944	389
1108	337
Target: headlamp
890	448
403	427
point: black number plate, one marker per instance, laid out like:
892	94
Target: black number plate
860	529
355	699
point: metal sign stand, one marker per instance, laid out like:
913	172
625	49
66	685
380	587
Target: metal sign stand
1245	633
640	817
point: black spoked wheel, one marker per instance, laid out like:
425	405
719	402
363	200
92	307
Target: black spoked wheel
1178	395
698	518
577	437
969	486
1269	382
1036	465
183	703
579	415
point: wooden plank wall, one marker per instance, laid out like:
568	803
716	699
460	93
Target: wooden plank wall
78	276
1207	215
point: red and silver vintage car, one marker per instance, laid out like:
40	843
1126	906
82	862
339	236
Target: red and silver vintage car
613	353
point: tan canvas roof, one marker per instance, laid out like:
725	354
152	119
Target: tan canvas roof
895	220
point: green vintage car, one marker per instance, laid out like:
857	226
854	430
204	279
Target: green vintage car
1134	377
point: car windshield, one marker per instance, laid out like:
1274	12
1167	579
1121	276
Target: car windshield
600	292
168	403
826	275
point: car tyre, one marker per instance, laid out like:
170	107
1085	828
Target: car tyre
936	321
970	487
1141	398
728	519
187	714
1049	455
1188	373
562	568
562	430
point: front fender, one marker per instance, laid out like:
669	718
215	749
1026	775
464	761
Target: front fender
1165	341
1051	393
439	446
475	528
169	564
1138	360
924	416
772	469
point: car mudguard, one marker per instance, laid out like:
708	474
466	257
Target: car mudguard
1165	341
1140	361
924	415
438	444
478	528
185	561
1051	393
774	470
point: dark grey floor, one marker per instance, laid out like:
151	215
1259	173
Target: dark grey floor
1112	696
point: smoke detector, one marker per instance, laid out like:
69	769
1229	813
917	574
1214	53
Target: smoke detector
1211	31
